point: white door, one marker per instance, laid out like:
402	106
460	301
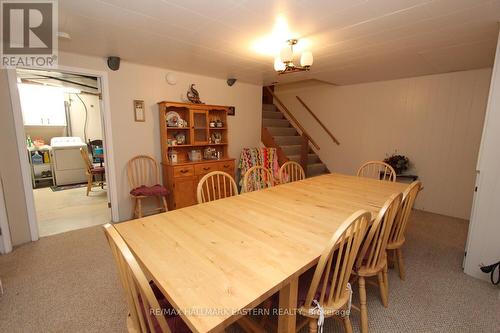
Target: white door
483	245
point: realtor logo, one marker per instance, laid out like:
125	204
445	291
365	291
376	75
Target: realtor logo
29	33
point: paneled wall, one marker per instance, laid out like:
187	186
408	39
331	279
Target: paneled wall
435	120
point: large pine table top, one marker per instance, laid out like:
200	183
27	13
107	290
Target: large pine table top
214	259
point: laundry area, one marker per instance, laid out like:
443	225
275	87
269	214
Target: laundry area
63	127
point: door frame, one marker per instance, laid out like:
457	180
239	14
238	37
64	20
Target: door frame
109	160
5	241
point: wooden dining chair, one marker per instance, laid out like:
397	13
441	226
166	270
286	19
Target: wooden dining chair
290	172
257	178
144	177
329	284
398	231
91	171
145	313
372	258
378	170
214	186
92	145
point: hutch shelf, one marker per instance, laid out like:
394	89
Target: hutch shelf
194	142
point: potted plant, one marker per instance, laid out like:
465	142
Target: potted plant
398	162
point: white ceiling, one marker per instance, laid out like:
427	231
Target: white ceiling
352	40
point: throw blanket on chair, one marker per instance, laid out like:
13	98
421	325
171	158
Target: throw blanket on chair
265	157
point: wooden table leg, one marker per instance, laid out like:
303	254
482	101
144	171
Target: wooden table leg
288	306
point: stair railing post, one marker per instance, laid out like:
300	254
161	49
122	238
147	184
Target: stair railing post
304	151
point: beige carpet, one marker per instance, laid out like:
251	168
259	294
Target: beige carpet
68	283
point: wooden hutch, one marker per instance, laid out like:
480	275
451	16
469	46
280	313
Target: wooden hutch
184	128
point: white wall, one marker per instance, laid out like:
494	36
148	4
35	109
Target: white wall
435	120
147	83
130	138
77	114
483	244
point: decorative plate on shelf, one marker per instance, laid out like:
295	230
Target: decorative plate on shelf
172	119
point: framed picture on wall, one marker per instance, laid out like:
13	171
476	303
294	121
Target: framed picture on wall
139	111
232	111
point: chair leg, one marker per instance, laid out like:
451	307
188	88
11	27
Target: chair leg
139	208
391	258
313	325
165	206
158	203
347	324
381	286
362	303
401	264
134	210
386	280
89	184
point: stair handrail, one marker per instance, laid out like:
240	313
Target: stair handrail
294	120
318	120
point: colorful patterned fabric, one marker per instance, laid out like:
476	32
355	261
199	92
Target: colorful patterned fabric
265	157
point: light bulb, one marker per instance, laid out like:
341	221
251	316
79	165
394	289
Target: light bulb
279	65
306	59
286	54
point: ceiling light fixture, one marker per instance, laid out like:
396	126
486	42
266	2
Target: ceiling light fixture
283	63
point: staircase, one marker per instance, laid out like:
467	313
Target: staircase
287	139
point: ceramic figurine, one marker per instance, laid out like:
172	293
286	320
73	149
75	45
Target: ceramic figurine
193	95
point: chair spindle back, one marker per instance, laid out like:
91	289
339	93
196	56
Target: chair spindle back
141	299
398	230
378	170
214	186
374	247
142	170
257	178
290	172
336	262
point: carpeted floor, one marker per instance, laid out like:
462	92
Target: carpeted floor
68	283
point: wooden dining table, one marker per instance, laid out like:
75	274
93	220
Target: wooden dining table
215	260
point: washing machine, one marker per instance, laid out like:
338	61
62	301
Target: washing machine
69	167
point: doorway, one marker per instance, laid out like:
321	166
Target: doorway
64	131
